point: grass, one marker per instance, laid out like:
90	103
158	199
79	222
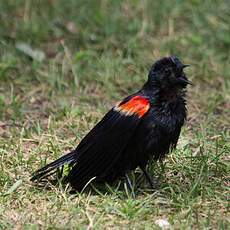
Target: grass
97	52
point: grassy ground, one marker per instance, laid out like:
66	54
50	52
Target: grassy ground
97	52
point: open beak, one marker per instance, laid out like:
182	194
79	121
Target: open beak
185	81
188	82
184	66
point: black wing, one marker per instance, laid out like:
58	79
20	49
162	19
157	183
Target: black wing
104	144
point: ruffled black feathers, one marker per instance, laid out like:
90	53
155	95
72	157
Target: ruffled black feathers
143	126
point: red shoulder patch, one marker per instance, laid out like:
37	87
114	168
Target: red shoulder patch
137	105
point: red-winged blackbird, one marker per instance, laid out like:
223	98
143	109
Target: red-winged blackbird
144	126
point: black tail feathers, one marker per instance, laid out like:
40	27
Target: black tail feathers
48	169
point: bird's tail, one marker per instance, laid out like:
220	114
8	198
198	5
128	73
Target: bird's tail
49	168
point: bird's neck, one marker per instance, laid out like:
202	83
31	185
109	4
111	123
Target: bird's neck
164	96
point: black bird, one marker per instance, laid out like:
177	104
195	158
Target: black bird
145	125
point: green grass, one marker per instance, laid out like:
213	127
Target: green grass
97	52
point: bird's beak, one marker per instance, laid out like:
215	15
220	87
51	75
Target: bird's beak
189	82
184	66
185	81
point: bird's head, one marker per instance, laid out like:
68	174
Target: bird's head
168	73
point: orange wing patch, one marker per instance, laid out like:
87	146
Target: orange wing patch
137	105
